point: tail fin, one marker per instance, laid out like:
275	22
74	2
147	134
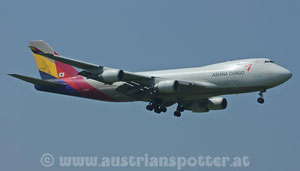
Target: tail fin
48	68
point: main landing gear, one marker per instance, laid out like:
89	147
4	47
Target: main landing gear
261	99
156	107
178	111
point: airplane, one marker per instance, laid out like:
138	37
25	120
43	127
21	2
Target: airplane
196	89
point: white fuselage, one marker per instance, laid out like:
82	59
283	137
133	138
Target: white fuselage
232	77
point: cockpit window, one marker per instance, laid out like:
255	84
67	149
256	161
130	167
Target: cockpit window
269	61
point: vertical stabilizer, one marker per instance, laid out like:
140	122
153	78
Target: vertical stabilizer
48	68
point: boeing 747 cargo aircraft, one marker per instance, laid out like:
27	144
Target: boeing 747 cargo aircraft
195	89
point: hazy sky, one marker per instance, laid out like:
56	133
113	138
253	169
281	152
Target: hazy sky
149	35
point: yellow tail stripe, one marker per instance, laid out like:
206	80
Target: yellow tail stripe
45	65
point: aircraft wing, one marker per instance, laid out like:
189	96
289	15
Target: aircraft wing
93	68
135	86
73	62
137	89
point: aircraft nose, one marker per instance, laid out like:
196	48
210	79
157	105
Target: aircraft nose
289	74
284	74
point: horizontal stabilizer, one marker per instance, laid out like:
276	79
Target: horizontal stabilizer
39	82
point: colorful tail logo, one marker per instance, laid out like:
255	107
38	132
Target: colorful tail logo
48	68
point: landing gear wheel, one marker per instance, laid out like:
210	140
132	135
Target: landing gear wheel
177	114
180	108
157	110
260	100
149	107
163	109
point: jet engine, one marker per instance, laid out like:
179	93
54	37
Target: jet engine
213	103
199	108
216	103
112	75
167	86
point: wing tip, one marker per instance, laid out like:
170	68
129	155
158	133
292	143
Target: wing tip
13	75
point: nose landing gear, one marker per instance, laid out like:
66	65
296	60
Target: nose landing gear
261	99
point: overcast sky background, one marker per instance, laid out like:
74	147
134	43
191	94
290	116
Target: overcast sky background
140	36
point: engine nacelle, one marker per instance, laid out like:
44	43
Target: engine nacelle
167	86
216	103
112	76
199	108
